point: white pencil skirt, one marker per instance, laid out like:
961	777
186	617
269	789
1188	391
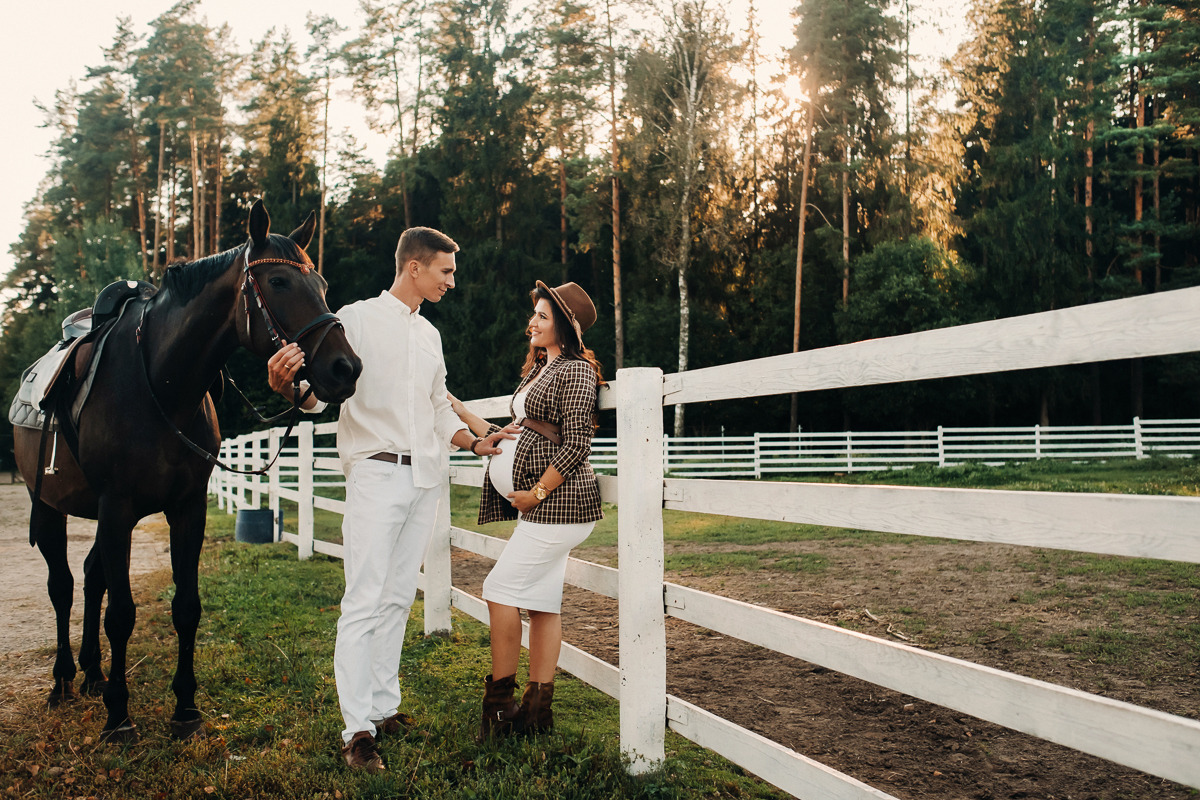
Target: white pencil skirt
529	573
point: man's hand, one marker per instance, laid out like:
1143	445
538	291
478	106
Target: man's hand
282	368
490	444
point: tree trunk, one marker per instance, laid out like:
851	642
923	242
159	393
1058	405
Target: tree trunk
794	419
684	337
846	220
158	189
324	184
562	214
218	184
400	139
172	193
618	312
197	243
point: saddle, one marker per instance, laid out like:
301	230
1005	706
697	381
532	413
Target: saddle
72	360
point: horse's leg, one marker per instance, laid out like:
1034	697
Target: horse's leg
89	648
51	538
113	534
187	536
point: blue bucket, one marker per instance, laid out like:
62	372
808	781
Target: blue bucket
255	526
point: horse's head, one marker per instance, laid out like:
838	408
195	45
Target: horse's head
284	300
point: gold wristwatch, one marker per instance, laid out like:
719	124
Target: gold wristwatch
540	491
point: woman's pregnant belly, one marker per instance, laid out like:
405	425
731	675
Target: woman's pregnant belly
500	468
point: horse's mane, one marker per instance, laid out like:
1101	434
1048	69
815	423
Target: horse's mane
186	279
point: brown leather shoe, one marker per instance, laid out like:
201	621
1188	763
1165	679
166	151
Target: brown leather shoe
392	725
499	708
537	712
361	753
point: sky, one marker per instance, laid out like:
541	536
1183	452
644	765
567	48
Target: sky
52	42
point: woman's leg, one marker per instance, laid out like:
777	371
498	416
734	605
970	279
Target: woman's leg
506	638
545	642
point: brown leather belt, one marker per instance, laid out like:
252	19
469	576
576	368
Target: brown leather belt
392	458
547	430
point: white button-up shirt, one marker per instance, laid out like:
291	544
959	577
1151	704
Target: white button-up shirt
399	405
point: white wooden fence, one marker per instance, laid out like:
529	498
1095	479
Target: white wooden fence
864	451
1161	744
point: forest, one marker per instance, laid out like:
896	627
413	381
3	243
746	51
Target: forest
718	202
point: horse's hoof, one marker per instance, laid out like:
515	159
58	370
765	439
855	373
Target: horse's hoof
186	729
122	735
61	694
93	688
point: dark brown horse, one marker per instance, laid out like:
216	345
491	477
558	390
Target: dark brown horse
151	389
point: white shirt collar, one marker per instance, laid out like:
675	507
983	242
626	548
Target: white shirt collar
399	305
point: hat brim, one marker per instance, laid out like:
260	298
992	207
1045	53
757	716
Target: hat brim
567	312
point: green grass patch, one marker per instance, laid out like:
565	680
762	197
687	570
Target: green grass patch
1123	476
265	667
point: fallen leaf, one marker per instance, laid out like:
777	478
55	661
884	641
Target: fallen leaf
34	770
209	789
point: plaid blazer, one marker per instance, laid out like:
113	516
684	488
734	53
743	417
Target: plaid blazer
566	396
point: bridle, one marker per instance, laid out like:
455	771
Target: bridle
251	292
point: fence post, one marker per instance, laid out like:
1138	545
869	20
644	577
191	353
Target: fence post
849	451
641	618
437	570
1037	440
757	455
304	510
1139	448
941	445
274	441
256	481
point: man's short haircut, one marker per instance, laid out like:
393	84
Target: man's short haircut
422	244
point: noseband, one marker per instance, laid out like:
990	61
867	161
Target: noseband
254	293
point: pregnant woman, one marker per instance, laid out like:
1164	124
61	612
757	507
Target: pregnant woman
543	479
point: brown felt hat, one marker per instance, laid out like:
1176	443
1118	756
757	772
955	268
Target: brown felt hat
573	301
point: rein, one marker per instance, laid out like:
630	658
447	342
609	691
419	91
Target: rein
250	291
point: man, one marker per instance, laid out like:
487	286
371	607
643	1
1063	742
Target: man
394	437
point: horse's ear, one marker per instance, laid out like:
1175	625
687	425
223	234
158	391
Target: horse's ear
260	223
303	235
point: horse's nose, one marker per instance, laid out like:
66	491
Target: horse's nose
346	370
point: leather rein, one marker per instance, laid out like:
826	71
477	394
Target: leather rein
252	294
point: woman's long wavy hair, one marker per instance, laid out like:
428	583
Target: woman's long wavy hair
565	333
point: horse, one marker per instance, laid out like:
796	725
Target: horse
145	438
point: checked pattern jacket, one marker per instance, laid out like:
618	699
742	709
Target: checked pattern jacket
566	396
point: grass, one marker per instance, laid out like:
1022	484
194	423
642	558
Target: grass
270	704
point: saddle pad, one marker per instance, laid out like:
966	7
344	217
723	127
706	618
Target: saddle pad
26	408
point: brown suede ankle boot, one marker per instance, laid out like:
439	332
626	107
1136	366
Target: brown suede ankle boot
500	709
536	713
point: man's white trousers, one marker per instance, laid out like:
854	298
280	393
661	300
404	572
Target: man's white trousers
385	531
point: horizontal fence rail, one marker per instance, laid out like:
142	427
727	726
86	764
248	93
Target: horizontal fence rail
866	451
653	473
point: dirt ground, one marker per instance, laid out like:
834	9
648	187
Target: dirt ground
959	599
27	633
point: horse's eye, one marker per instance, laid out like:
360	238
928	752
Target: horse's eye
277	282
